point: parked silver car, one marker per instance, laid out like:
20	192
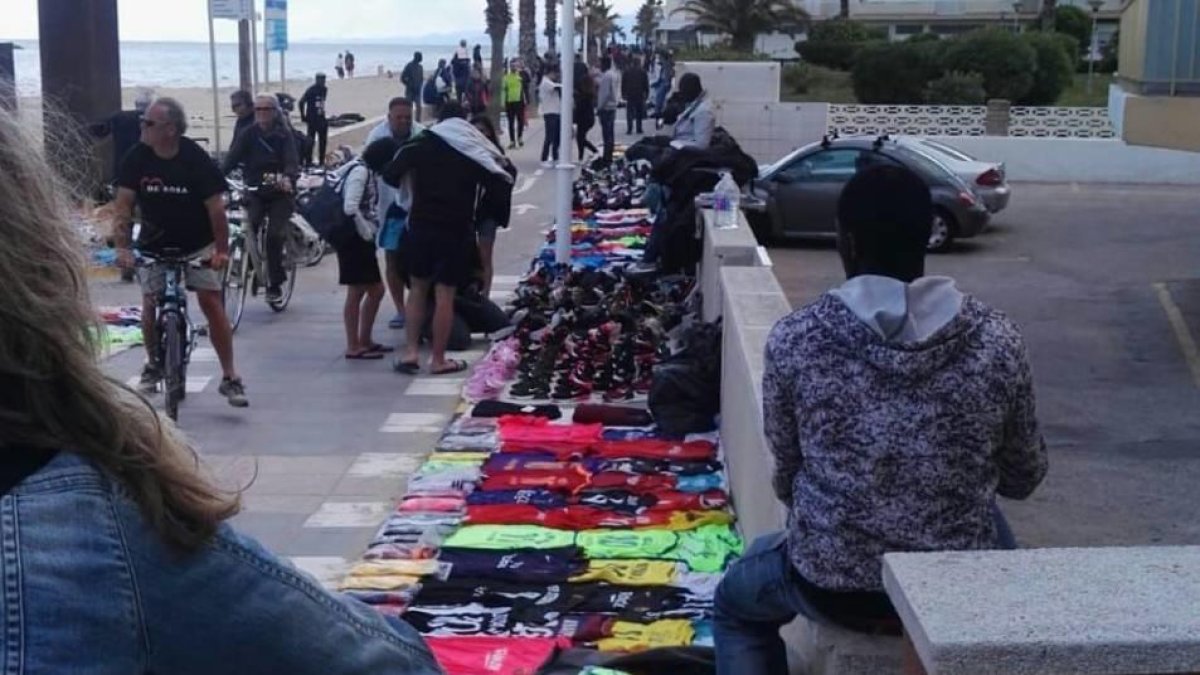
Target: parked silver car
988	179
798	195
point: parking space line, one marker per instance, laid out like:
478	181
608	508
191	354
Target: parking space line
1187	344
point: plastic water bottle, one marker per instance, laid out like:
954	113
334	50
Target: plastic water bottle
726	198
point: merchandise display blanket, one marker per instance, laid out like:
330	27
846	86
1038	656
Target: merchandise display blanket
553	516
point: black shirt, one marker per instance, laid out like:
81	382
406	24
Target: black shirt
171	194
261	152
312	104
242	123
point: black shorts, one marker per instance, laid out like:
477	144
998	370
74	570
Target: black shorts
443	259
357	264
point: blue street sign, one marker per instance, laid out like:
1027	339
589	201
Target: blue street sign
275	30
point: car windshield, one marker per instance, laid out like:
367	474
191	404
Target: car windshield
927	165
947	150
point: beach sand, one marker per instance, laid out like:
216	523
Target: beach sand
367	96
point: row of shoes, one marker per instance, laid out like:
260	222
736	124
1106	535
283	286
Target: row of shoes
619	185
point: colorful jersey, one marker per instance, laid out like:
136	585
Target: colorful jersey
566	481
630	572
521	429
701	482
492	656
707	548
544	566
634	483
382	568
656	449
651	544
545	499
635	637
383	583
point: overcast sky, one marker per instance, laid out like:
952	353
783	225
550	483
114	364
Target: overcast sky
170	20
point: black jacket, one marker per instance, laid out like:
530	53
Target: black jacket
243	123
445	187
259	152
312	104
635	84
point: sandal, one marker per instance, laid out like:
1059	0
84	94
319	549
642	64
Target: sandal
380	349
406	367
452	366
367	355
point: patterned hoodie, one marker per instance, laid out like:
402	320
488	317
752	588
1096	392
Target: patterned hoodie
896	412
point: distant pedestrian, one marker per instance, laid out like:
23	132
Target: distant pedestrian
477	57
412	78
242	104
349	64
433	95
663	83
606	106
312	112
486	225
125	128
476	97
460	66
340	66
585	108
515	98
635	88
550	94
358	266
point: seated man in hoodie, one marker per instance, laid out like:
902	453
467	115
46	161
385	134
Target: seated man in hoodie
896	408
451	165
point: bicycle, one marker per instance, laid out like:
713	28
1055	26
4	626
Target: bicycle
245	274
176	333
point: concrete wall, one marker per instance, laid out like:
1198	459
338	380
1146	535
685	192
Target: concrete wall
749	81
1083	160
768	131
1155	121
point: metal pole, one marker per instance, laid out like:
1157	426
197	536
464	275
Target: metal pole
266	53
212	55
254	46
587	34
1092	50
566	167
283	70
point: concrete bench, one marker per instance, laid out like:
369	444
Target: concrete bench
1098	610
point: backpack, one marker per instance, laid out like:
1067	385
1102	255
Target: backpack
323	211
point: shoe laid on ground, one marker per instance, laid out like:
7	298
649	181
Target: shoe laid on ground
397	321
235	392
274	294
151	376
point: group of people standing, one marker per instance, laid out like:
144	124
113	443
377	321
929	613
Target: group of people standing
344	65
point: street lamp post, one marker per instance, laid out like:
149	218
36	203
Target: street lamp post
1091	57
1017	16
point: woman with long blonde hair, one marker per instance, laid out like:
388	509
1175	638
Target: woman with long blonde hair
114	550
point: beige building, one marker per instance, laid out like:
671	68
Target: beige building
1156	100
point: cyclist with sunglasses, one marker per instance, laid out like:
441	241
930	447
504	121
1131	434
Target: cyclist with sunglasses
181	194
270	165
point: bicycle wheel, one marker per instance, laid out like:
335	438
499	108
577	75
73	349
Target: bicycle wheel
236	283
174	379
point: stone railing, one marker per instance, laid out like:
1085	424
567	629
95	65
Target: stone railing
997	118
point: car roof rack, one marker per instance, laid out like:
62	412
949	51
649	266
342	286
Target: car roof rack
883	138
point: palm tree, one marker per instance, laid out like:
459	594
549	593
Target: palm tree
551	23
600	25
527	45
1047	17
743	20
499	18
647	20
844	12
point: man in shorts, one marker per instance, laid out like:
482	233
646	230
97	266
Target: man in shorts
181	193
448	166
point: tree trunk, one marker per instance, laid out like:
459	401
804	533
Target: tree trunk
527	45
496	78
844	11
552	24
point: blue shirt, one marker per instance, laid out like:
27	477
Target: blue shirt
90	587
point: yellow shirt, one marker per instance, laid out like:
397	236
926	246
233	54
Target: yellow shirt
629	572
635	637
690	520
386	568
387	583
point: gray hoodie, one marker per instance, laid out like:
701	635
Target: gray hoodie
895	413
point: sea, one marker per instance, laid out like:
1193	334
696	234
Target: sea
186	64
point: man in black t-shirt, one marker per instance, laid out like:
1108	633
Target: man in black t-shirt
181	193
312	113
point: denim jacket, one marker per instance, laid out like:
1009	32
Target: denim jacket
90	587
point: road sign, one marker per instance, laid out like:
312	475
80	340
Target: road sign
275	29
230	9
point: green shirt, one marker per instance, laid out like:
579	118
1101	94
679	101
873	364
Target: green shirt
627	543
512	89
499	537
706	549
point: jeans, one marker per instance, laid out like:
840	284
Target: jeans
635	112
759	595
516	121
414	96
277	211
608	119
321	133
657	196
660	98
551	143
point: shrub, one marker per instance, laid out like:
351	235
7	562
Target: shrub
924	37
893	72
797	78
1075	22
835	43
836	55
718	53
844	30
956	89
1054	70
1006	62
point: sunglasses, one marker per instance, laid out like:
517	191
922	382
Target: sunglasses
264	109
148	123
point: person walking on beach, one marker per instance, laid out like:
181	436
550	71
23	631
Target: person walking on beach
270	164
477	57
412	78
460	66
635	88
515	99
312	112
181	195
349	64
550	95
394	204
476	98
585	108
449	166
340	66
606	107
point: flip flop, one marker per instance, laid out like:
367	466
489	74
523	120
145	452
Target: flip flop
380	349
452	366
364	356
406	367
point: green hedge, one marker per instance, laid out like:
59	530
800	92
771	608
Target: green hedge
956	89
894	72
1006	62
1054	72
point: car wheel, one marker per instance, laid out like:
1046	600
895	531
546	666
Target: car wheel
941	234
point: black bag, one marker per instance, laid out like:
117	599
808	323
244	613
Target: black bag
323	210
685	396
